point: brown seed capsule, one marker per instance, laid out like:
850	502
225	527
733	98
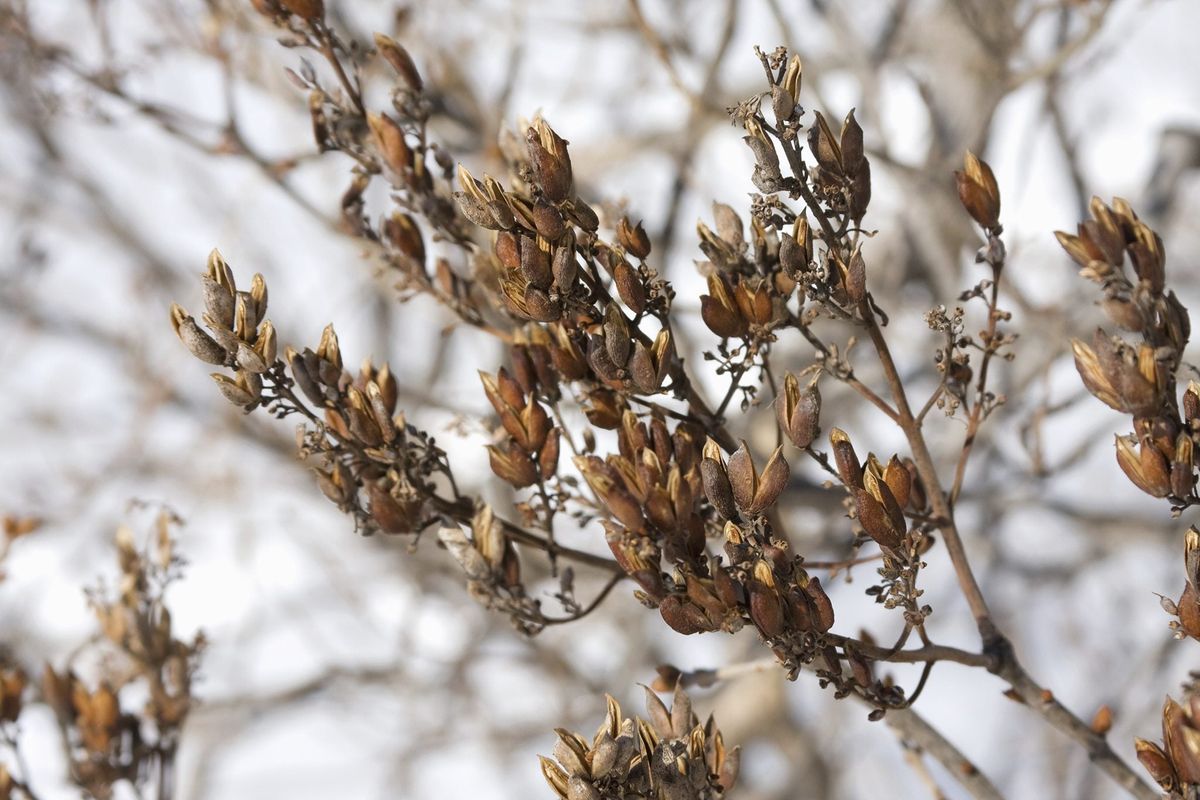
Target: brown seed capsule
844	456
513	465
821	604
978	191
387	513
876	521
798	411
682	616
550	161
400	60
391	143
633	238
1145	466
198	343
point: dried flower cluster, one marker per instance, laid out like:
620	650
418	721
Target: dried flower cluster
669	756
109	738
689	513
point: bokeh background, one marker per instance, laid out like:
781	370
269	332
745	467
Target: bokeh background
136	135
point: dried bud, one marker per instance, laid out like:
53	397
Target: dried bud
633	238
550	161
978	192
847	461
400	60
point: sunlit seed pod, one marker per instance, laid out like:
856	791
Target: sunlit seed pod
400	60
682	616
555	776
248	358
232	391
875	520
844	456
771	483
630	288
978	191
633	238
218	301
616	335
197	342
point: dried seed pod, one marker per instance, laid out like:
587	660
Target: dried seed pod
876	521
629	285
1145	466
390	141
682	616
799	411
512	464
978	191
550	161
400	60
821	604
765	609
847	461
387	513
633	238
198	343
235	391
719	311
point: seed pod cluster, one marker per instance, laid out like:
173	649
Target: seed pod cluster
491	565
843	173
105	743
1175	763
1138	378
237	337
529	453
670	755
880	492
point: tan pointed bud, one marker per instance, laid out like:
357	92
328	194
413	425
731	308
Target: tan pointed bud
792	76
1183	477
1191	405
1102	722
387	513
1145	466
978	191
824	145
822	605
555	776
717	488
766	612
233	391
844	456
580	788
548	455
682	616
1191	556
876	521
743	477
328	348
198	343
403	233
633	238
550	161
898	479
719	310
266	345
248	358
1087	362
1188	610
854	276
852	144
307	10
1155	761
771	483
798	411
513	465
400	60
